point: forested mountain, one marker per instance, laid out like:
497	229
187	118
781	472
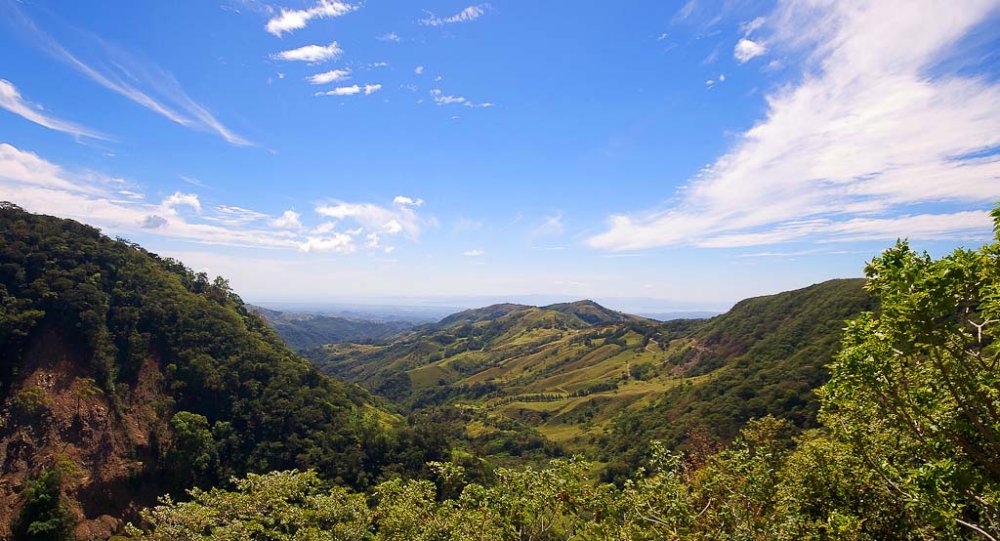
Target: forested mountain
305	331
125	375
584	376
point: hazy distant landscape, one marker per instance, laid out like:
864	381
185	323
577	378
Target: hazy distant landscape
345	270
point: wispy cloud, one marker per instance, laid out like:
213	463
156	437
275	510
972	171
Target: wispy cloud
391	36
124	72
352	90
868	133
551	226
11	100
193	181
441	98
474	253
288	20
470	13
330	76
314	54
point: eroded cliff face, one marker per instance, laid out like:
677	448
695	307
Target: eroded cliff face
57	416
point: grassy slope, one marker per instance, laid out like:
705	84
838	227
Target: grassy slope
585	385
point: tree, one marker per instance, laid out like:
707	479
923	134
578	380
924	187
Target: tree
44	516
916	388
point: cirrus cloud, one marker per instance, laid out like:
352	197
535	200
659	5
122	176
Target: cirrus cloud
869	133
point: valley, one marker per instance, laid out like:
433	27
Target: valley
579	374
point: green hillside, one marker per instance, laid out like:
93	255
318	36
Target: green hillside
132	376
584	376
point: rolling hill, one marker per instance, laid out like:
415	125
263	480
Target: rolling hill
586	377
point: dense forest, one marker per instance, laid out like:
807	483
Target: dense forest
861	410
133	376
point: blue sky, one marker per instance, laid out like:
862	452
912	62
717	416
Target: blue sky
651	154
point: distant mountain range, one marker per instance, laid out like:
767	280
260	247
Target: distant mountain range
304	331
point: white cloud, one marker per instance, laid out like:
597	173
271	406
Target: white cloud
294	19
865	135
474	253
379	64
342	91
314	54
10	99
288	220
338	243
391	36
352	90
144	83
405	201
712	82
419	70
470	13
392	227
441	98
747	49
330	76
180	199
375	218
41	186
324	227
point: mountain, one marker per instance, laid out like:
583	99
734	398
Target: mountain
303	331
593	379
470	348
591	312
766	356
125	375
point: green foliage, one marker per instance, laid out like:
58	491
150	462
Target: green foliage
118	306
766	356
44	516
916	390
277	506
31	401
193	456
